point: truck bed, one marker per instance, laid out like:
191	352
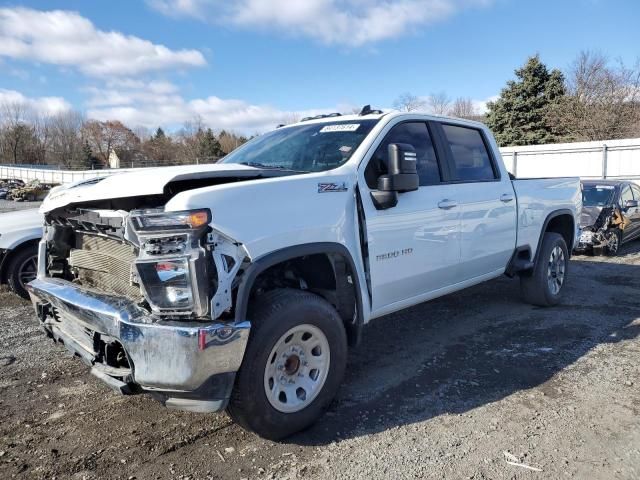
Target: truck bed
537	198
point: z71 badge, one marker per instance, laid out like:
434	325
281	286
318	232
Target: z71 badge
332	187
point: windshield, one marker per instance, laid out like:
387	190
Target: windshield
304	148
597	195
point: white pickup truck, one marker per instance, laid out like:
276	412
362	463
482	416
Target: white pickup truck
240	285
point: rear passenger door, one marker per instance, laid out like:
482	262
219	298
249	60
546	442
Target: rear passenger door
486	200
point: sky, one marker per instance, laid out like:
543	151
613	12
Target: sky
249	65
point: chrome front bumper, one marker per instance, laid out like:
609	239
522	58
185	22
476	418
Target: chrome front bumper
186	364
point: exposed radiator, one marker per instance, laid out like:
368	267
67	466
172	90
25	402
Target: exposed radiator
104	264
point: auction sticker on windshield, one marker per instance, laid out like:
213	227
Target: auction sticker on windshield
347	127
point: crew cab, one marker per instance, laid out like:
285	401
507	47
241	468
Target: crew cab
240	285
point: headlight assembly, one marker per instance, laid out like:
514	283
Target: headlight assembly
167	284
153	220
171	266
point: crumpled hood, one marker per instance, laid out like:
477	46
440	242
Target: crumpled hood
143	182
589	216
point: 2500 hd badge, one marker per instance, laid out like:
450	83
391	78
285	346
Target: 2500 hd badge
394	254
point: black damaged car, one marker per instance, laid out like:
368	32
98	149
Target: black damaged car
610	215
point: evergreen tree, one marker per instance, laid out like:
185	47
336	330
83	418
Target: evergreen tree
159	135
209	147
521	115
86	157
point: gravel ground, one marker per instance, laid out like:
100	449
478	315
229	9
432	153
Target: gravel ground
454	388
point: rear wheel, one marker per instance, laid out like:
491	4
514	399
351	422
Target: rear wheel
545	284
22	268
293	365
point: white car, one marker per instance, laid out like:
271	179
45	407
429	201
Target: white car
20	232
239	285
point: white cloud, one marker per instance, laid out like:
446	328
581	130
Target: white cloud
481	105
43	105
67	39
156	104
347	22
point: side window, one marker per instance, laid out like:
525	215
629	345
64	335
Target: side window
625	195
636	192
471	160
415	134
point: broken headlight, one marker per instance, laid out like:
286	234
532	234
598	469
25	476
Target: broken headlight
171	266
153	220
167	284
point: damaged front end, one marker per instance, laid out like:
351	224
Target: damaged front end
602	235
144	297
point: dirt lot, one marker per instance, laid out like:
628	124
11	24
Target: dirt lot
442	390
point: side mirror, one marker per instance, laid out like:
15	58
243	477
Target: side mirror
402	176
630	204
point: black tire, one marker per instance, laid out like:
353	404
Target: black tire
273	315
612	250
21	264
535	286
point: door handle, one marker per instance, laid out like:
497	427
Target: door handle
446	204
507	197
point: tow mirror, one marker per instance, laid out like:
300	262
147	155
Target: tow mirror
630	204
402	176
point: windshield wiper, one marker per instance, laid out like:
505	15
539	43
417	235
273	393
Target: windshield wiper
271	167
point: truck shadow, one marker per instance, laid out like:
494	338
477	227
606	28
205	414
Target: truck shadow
478	346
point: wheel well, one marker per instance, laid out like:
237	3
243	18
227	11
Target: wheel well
11	253
563	224
328	275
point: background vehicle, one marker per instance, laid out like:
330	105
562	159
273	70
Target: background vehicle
20	232
610	215
33	191
240	284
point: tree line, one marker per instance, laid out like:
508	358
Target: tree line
594	99
69	140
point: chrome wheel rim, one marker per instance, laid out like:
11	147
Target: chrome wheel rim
556	270
297	368
28	270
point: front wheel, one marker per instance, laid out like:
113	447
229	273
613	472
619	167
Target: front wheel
293	364
545	284
613	238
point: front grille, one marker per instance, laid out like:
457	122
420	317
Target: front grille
104	264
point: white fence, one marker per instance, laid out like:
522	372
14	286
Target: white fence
45	175
607	159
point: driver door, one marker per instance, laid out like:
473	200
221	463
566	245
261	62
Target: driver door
414	247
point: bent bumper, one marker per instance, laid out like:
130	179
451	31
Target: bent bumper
186	364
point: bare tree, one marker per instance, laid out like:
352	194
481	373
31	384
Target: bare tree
112	135
439	103
408	102
463	108
602	101
16	132
67	145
